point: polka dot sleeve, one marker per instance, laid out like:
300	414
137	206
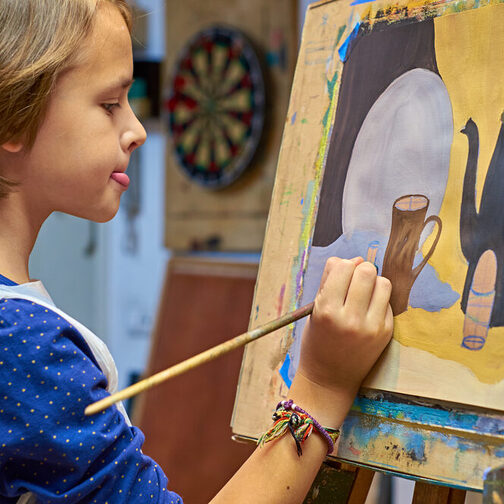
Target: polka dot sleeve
47	446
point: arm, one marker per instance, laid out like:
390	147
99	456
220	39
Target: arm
350	326
48	446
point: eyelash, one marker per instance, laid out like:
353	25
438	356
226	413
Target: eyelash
110	106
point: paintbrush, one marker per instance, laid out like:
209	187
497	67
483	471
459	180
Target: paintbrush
199	359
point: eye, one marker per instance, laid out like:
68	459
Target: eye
109	107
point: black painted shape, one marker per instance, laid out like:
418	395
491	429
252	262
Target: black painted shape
377	58
483	230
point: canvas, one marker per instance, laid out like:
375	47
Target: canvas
414	182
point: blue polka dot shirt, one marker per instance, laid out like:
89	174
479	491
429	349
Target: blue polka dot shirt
48	375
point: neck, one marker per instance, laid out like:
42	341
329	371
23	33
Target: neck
19	227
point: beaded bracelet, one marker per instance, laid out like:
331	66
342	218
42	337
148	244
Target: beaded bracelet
288	416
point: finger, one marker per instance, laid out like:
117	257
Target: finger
389	320
336	280
388	325
331	262
379	305
361	289
357	260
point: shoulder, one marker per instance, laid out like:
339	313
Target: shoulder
28	329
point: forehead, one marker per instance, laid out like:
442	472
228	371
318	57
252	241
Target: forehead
106	54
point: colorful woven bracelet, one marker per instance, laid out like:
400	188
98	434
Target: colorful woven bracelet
289	417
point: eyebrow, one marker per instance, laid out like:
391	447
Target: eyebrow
122	84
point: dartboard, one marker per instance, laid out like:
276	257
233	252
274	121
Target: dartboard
216	106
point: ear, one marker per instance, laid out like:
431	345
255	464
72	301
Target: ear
12	147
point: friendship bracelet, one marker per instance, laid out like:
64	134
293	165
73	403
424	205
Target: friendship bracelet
290	417
330	435
300	426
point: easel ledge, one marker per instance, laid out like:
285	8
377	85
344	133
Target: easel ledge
421	438
417	438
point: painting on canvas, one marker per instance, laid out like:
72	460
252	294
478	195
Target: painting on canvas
414	182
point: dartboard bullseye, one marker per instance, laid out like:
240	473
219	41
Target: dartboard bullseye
216	107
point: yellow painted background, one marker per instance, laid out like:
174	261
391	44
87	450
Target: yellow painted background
470	56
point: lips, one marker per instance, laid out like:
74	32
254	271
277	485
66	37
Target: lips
121	178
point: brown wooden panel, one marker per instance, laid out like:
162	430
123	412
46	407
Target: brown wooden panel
361	486
186	420
426	493
457	496
338	483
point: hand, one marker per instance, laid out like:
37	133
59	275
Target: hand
349	328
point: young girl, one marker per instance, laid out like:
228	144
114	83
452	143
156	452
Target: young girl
66	135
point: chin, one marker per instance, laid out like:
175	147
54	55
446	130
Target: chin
102	219
99	215
106	216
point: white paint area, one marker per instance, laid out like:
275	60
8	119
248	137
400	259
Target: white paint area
402	148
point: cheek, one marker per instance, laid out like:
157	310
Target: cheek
83	150
57	140
100	139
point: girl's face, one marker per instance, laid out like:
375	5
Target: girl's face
83	146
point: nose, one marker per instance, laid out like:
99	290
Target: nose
134	135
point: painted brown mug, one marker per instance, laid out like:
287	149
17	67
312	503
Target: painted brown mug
408	222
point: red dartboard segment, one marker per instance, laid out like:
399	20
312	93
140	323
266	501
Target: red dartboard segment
216	107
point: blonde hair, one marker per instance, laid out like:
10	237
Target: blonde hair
38	39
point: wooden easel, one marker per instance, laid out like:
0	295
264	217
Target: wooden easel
381	429
346	484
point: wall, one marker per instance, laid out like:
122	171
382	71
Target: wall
134	279
66	257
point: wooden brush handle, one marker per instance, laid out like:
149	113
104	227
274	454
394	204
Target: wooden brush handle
199	359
